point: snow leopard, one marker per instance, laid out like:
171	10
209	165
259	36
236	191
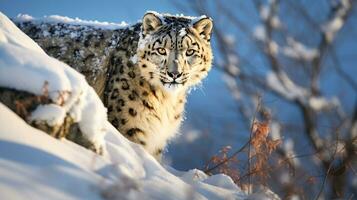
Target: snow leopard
142	72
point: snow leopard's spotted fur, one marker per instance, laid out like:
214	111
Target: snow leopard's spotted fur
141	73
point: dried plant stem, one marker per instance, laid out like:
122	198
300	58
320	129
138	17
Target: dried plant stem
328	171
249	143
207	171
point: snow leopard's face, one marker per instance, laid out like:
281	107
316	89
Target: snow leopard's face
173	53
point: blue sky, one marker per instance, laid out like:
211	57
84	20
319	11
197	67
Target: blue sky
106	10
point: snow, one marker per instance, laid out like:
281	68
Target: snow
299	51
318	103
336	22
163	15
259	33
191	136
182	32
273	47
232	64
321	103
11	34
52	113
71	21
285	86
73	35
63	83
288	147
229	39
275	22
233	86
143	41
265	13
262	193
34	165
275	129
134	59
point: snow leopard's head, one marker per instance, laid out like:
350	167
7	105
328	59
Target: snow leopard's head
174	52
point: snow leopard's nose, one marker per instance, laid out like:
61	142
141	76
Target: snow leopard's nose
173	70
174	74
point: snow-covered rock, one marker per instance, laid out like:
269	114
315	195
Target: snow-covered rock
24	66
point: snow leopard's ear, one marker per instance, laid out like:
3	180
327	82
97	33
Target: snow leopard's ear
204	27
151	23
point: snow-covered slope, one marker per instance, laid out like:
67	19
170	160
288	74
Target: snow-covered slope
25	66
34	165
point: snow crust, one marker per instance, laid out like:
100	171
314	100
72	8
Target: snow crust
72	21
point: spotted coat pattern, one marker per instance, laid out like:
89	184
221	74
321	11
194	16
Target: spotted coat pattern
142	73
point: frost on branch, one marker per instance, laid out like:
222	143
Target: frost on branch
285	87
299	51
337	20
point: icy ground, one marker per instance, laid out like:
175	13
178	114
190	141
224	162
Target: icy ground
34	165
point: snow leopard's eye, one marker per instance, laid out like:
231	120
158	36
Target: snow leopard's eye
161	51
190	52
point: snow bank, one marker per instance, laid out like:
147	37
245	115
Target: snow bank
25	66
71	21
